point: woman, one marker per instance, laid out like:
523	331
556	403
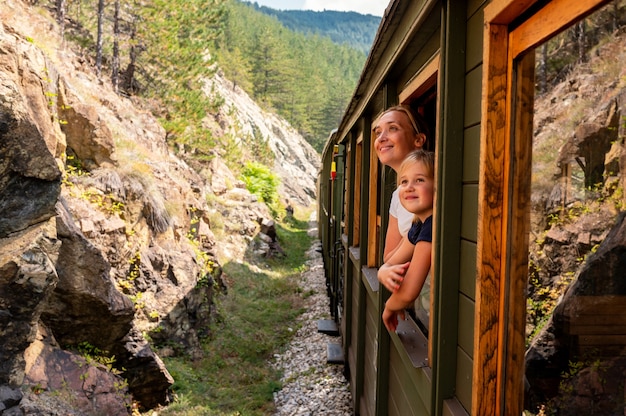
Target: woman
396	134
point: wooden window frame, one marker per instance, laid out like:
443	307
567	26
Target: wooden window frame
373	216
358	164
426	78
504	194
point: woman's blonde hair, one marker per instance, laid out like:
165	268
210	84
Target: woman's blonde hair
416	121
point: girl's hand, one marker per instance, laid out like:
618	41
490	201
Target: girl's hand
390	319
391	276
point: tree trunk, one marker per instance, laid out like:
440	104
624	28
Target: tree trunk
61	5
115	64
543	69
129	73
582	41
100	35
615	15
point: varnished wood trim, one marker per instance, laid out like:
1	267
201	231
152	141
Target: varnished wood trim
426	78
490	222
358	158
372	218
503	12
518	188
551	19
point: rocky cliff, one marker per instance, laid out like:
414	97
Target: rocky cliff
575	360
106	236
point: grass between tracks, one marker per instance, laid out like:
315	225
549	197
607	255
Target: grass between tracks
256	320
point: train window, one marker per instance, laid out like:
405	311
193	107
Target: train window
550	111
576	313
358	163
374	221
425	106
421	96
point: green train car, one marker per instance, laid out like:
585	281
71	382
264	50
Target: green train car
469	68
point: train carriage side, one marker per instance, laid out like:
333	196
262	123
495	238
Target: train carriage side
462	65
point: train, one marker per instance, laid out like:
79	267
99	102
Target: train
468	67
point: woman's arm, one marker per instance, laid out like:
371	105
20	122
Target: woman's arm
411	286
392	275
392	238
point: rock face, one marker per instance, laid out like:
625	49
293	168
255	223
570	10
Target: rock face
584	337
576	361
106	238
294	160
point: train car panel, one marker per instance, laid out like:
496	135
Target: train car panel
467	283
470	212
357	344
450	156
403	384
466	324
473	87
356	152
474	52
474	6
424	61
471	146
464	375
370	354
452	407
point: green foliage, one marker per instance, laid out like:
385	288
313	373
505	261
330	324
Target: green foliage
577	43
234	376
344	28
260	181
183	30
307	78
168	50
94	355
164	57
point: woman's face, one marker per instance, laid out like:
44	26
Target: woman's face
395	138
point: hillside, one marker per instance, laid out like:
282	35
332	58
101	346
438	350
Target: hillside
348	28
306	78
114	240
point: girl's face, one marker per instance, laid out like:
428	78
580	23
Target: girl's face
395	138
416	189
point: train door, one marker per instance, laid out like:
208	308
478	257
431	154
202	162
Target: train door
513	31
334	279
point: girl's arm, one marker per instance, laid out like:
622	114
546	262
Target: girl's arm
411	286
391	274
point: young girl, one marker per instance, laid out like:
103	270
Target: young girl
405	279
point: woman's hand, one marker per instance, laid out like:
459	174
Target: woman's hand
391	276
390	319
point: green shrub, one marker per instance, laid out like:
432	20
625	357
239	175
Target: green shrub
261	181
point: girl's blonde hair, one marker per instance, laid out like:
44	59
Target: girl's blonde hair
419	155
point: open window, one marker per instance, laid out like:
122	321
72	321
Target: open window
421	96
572	367
420	93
